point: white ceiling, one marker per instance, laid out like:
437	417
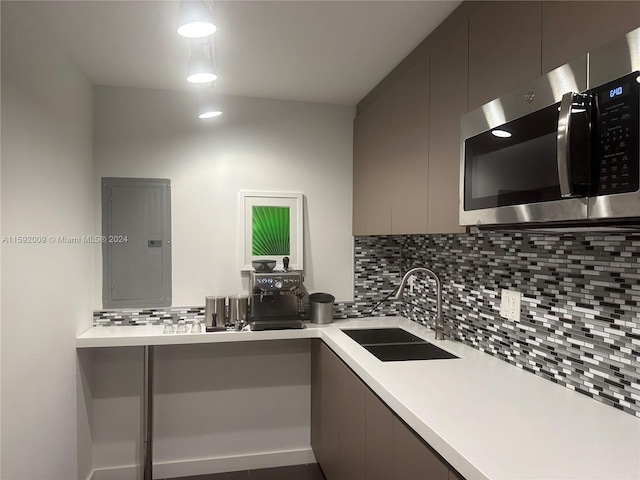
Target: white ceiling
319	51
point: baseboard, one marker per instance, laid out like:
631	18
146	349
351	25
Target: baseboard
205	466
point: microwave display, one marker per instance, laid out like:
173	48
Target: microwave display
614	93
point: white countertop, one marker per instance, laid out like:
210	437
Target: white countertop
487	418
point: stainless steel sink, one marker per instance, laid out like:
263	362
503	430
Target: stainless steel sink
396	345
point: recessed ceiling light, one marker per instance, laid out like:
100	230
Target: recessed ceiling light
210	114
501	133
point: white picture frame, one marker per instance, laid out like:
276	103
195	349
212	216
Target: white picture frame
292	201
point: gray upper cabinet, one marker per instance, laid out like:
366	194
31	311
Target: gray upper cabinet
504	49
570	29
136	252
372	208
409	150
390	158
448	102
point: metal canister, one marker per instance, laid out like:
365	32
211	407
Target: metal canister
215	309
238	309
321	306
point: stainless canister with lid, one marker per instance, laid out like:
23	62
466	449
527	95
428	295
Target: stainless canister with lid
215	309
238	310
321	307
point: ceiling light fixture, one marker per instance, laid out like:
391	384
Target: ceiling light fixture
195	19
208	105
210	114
200	67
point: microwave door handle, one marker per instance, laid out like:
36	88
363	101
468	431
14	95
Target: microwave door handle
564	128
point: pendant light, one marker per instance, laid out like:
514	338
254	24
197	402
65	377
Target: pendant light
208	105
200	67
195	19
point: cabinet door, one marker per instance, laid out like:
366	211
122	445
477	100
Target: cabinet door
408	150
504	49
359	175
453	475
351	415
378	439
337	416
448	102
372	205
570	29
316	399
412	459
325	401
391	158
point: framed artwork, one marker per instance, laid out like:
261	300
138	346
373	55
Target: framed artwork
271	228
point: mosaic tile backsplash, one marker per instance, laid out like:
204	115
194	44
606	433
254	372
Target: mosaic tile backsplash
580	312
580	315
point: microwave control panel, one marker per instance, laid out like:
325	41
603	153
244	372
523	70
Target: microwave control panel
617	152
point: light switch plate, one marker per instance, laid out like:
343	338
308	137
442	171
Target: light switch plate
510	304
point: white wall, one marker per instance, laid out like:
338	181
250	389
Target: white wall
47	190
257	144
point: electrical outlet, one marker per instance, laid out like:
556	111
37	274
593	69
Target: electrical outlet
510	305
411	283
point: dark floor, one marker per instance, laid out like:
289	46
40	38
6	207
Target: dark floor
294	472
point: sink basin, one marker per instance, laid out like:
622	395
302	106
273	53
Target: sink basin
408	351
396	345
371	336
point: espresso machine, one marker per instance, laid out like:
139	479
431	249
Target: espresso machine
276	300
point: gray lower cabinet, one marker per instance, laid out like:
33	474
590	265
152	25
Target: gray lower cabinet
325	422
378	439
351	414
355	436
412	459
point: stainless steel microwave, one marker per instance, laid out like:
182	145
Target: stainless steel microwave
563	148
